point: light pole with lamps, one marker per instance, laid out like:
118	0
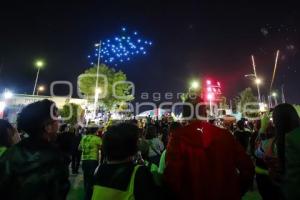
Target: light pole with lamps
257	81
97	90
38	64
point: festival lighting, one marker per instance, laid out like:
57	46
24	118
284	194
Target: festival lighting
41	88
208	82
210	96
120	48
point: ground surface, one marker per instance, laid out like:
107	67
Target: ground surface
76	192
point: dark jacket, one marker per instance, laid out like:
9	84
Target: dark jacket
291	181
33	170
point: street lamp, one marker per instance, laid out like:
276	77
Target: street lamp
257	81
40	89
97	77
274	95
195	85
38	64
98	91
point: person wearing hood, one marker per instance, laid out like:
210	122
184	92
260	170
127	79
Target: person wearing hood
34	168
205	162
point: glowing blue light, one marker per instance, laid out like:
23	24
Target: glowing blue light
122	47
89	56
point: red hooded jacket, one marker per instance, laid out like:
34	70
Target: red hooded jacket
205	162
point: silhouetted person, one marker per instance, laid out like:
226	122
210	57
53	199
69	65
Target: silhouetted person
34	168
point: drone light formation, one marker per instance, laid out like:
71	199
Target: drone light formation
120	48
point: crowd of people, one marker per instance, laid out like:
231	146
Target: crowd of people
151	159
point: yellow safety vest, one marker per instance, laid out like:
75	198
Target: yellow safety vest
106	193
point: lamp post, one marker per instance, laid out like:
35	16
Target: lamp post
258	82
97	90
38	64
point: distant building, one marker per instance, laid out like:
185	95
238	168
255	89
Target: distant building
10	107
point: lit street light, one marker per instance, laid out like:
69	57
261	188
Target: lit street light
274	95
257	81
38	64
210	97
40	89
97	90
195	85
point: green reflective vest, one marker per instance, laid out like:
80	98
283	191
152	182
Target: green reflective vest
2	150
90	145
106	193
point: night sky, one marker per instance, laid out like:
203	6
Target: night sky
190	40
